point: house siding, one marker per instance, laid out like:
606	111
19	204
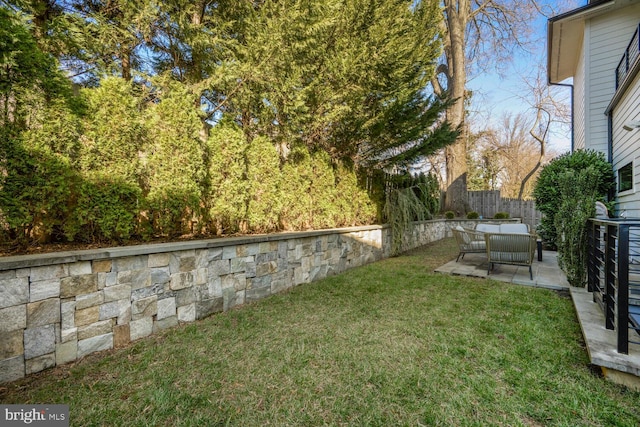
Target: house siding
579	104
625	147
606	39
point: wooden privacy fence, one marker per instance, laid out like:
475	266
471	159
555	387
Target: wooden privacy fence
487	203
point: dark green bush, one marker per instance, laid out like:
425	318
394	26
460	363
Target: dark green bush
429	193
547	190
449	215
473	215
175	167
578	192
409	199
501	215
264	184
37	190
353	204
106	210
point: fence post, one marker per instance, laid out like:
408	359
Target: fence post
610	276
623	290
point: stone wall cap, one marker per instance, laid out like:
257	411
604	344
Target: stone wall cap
66	257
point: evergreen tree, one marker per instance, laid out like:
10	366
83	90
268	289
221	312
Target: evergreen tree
297	175
352	203
115	130
38	140
228	197
264	183
322	191
345	77
110	195
176	171
114	32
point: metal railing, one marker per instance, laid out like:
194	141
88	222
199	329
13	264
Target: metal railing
631	54
613	272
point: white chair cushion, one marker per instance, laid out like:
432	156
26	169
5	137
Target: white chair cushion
514	228
488	228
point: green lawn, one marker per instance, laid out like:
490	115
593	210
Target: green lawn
390	343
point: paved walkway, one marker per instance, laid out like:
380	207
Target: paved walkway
546	273
600	342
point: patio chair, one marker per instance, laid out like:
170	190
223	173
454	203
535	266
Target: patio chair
469	241
510	248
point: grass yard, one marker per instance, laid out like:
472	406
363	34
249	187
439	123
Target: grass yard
390	343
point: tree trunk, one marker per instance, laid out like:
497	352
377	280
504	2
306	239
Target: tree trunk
541	140
42	12
126	64
456	187
457	13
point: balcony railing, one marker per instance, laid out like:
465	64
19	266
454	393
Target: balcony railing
614	276
631	54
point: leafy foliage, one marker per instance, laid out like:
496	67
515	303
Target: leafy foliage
36	190
227	199
175	166
416	199
29	78
106	210
353	204
39	143
547	192
264	182
297	175
222	117
114	130
578	191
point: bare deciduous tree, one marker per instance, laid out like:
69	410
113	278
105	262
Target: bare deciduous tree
550	108
477	34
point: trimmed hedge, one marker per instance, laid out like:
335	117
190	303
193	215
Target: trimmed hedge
125	168
547	192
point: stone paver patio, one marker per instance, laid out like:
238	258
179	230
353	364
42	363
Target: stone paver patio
546	273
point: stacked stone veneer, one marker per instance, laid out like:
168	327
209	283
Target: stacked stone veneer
57	308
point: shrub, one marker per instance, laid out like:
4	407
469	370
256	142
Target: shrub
264	183
429	193
114	130
547	190
322	191
473	215
401	208
175	166
354	205
501	215
417	199
106	210
227	199
578	192
37	190
297	175
449	215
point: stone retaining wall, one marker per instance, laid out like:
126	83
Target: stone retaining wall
57	308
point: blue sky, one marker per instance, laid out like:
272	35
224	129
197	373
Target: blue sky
494	95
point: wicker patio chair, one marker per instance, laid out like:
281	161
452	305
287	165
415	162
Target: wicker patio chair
469	241
512	249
